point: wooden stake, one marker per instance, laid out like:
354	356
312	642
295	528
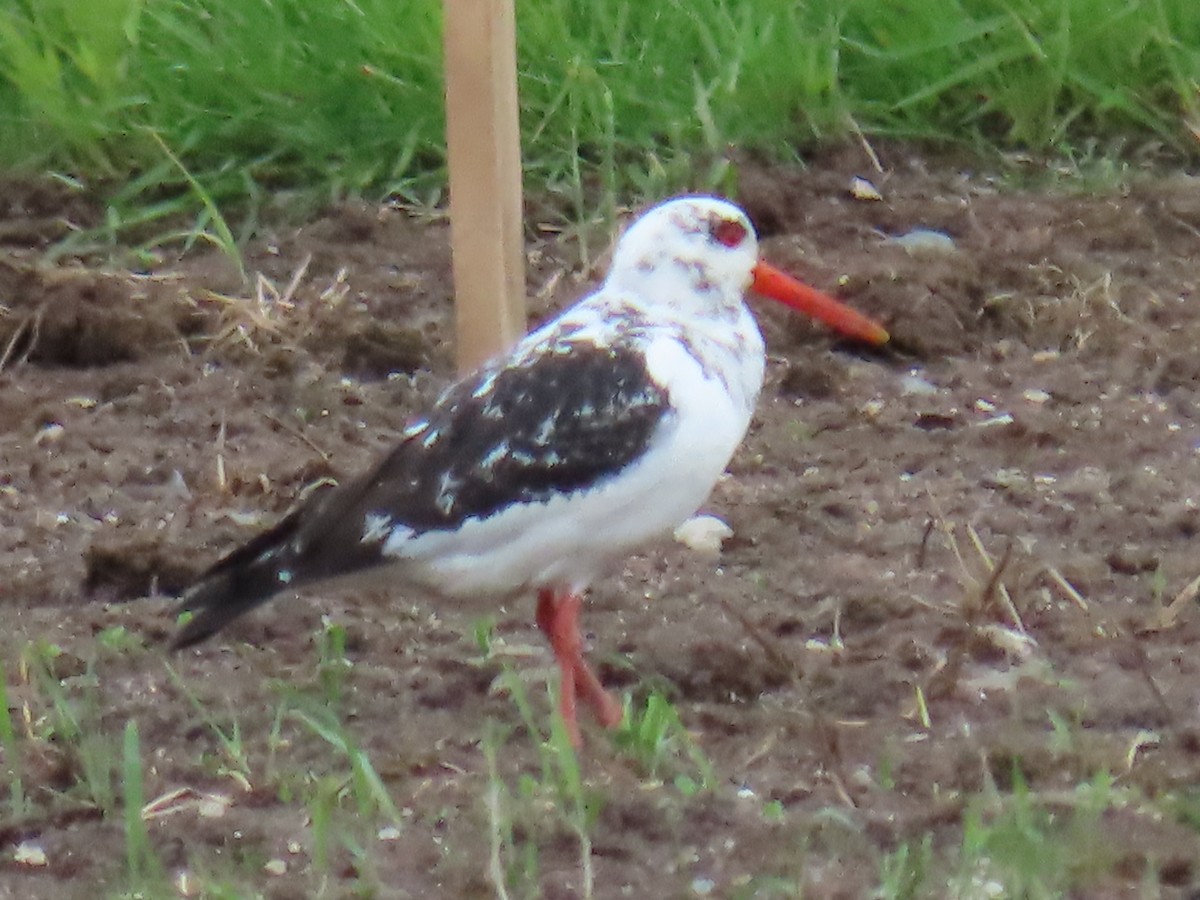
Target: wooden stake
485	177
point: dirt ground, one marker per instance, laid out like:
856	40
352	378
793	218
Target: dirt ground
952	581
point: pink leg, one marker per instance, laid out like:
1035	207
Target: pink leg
558	618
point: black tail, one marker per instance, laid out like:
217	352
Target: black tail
247	577
321	538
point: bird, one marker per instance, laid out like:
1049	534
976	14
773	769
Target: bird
602	429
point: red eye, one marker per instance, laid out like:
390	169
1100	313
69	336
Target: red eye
729	232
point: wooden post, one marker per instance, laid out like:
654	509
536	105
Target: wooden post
484	142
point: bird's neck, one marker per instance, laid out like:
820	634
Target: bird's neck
723	338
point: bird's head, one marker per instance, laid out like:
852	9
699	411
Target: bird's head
704	250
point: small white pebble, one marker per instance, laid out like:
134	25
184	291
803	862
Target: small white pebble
985	405
925	242
213	806
1008	640
1036	395
862	777
245	519
388	833
1002	419
28	853
702	887
275	867
704	534
861	189
49	434
913	384
872	408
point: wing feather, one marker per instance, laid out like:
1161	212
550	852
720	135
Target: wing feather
550	422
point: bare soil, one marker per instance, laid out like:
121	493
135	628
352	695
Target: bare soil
952	574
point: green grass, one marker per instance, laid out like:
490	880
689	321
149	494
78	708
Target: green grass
11	774
71	721
559	785
656	737
178	107
142	865
1028	837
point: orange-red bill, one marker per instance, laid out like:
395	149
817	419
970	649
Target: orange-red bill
770	282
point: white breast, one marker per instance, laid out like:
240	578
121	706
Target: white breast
569	539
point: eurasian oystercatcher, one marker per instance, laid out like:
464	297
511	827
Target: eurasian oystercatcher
604	428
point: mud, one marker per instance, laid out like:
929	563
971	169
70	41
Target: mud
952	575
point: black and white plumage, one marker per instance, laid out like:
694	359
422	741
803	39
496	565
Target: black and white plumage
606	427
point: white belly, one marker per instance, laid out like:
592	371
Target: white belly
567	540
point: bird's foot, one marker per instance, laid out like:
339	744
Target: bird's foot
605	706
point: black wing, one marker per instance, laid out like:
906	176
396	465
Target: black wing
554	422
570	417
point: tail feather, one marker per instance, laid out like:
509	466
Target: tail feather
246	578
319	539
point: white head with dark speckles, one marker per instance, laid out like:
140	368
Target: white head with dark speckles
699	255
688	250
